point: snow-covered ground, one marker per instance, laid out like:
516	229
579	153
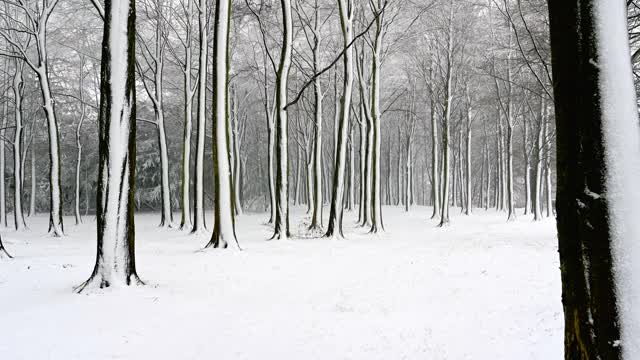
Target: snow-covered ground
479	289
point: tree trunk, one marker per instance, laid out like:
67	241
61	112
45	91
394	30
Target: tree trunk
18	89
468	197
435	168
78	144
5	116
188	93
224	233
334	229
55	194
198	203
597	199
281	228
115	258
316	217
376	213
448	96
32	197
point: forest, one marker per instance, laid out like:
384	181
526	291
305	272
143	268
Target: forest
370	178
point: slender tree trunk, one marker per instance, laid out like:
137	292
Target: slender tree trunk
55	194
5	115
444	211
376	214
351	200
32	197
198	203
336	212
537	190
468	197
435	168
18	88
78	144
188	93
316	217
115	259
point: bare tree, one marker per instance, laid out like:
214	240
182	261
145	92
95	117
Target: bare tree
224	233
115	258
31	19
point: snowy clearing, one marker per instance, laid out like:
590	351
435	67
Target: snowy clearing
480	289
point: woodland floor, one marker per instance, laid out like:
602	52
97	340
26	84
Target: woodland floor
479	289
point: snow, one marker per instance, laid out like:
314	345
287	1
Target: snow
478	289
622	139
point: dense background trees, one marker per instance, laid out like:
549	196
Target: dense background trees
450	107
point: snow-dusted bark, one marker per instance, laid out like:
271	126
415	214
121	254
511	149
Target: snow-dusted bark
32	197
271	151
5	115
55	193
467	170
363	194
547	170
334	229
224	233
198	201
366	134
18	88
435	153
536	198
78	145
446	120
189	92
235	139
376	116
351	196
115	259
598	138
281	226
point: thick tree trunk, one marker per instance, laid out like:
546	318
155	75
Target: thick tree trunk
115	258
281	226
597	199
224	233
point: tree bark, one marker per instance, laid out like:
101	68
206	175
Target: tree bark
334	229
597	200
198	203
115	258
224	232
281	226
